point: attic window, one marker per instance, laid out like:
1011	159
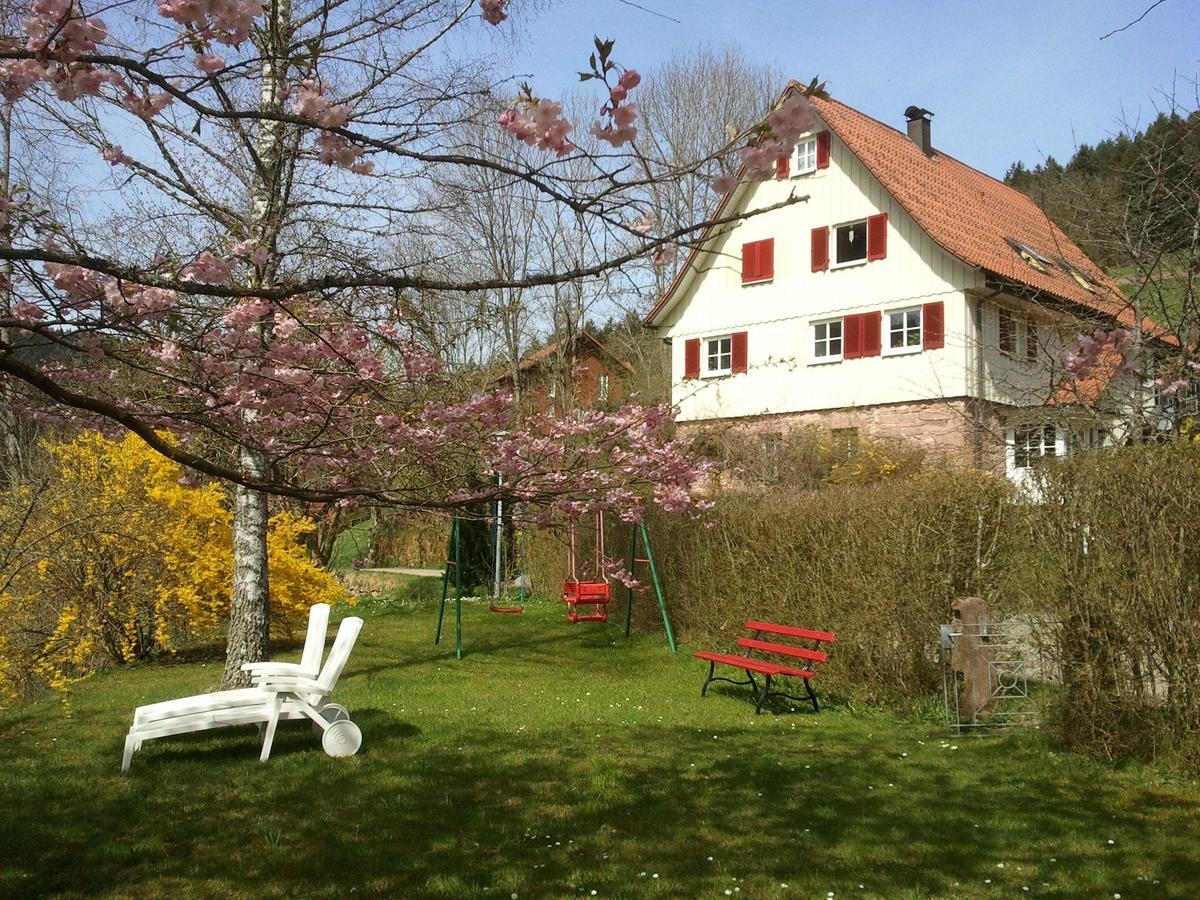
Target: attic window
1031	256
1079	277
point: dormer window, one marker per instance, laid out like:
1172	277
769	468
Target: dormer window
1031	256
1079	277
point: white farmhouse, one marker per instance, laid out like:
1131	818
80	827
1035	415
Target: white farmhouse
908	295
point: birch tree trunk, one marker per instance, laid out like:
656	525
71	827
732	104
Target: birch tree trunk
249	626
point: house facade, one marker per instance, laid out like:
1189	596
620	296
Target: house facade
572	373
902	294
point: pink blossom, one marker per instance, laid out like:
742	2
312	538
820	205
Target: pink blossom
226	21
248	312
146	105
310	103
115	156
492	11
208	268
28	312
663	255
644	223
724	183
542	127
17	76
629	79
285	325
208	63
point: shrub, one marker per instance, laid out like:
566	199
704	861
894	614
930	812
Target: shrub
1119	543
110	558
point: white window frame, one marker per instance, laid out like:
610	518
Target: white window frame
885	337
814	359
798	159
706	356
1059	445
833	232
602	387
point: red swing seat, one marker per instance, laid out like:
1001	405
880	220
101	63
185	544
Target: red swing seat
596	594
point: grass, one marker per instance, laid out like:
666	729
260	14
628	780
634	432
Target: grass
351	544
558	761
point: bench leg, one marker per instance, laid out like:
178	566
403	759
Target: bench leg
712	666
812	695
762	698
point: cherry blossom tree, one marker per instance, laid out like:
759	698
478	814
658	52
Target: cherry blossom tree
210	264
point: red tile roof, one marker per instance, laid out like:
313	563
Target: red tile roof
967	213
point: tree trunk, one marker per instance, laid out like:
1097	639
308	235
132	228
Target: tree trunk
248	613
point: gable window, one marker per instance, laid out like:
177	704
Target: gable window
602	388
758	261
1007	331
850	243
718	355
804	160
903	331
1032	444
827	341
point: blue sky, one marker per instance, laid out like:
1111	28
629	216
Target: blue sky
1008	79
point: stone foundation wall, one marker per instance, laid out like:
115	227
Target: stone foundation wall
945	429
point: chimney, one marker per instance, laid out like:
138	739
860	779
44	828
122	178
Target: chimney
918	128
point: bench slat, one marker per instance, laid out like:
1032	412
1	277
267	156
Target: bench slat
783	649
791	631
754	665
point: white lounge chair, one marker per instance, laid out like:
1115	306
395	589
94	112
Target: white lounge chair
275	696
310	658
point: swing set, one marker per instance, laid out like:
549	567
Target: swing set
507	555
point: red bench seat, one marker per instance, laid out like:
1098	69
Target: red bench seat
754	665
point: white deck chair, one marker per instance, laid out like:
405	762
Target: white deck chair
314	649
274	696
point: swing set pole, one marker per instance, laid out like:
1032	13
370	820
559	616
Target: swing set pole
453	558
635	533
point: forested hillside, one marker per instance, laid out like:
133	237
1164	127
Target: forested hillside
1133	203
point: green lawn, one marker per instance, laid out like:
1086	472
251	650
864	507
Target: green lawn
560	761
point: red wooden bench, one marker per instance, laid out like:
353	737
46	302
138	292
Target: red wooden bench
771	668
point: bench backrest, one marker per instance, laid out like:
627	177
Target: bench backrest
811	654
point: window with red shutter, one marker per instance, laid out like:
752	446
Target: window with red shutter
823	150
782	166
740	352
820	249
933	326
691	358
877	236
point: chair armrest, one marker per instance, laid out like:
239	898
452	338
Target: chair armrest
273	668
287	683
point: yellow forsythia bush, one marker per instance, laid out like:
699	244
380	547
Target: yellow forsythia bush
110	558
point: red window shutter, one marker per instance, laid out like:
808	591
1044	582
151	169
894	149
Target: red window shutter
877	236
740	352
758	260
820	249
750	261
933	326
852	336
691	358
871	326
782	166
823	150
